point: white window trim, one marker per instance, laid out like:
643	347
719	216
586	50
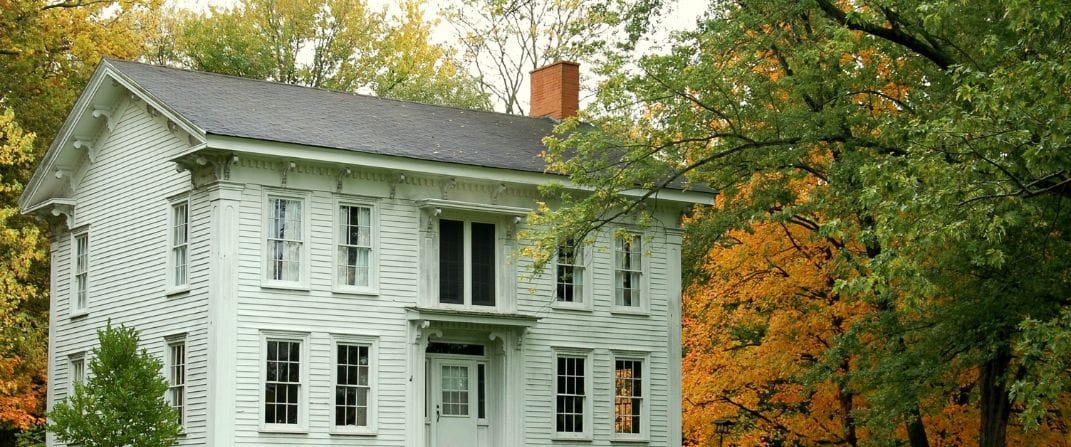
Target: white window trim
373	383
84	310
171	288
645	262
303	405
503	267
373	261
170	342
303	275
589	395
586	256
71	359
645	411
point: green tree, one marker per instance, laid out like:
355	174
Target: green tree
335	44
48	50
122	403
938	131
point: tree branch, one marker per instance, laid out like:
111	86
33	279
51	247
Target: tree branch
894	34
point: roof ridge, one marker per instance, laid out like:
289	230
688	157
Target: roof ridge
326	90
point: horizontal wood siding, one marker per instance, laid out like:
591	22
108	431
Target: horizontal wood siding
319	311
122	198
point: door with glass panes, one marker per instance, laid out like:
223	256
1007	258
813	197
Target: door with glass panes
453	402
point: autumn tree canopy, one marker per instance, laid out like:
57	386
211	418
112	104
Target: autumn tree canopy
345	45
938	133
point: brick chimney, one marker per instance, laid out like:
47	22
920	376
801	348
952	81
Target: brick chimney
556	90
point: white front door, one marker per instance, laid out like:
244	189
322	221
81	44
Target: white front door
453	403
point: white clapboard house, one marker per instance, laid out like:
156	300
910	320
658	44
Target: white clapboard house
319	268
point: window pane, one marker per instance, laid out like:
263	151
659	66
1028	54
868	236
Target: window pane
628	400
455	390
451	262
282	388
483	264
352	386
571	392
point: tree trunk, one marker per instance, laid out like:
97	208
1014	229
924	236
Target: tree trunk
995	405
916	431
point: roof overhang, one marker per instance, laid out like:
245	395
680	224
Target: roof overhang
94	112
318	154
435	315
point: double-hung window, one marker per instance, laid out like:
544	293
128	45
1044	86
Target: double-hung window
630	412
80	301
570	288
572	389
176	376
285	260
285	362
467	263
354	396
355	232
179	247
76	371
628	271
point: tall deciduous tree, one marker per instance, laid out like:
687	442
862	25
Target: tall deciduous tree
48	50
122	403
336	44
504	40
939	130
23	310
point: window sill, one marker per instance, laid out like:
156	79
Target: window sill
360	432
634	311
564	437
363	291
636	440
172	293
285	286
285	430
575	307
78	314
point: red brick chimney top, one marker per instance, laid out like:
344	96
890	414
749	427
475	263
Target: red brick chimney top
556	90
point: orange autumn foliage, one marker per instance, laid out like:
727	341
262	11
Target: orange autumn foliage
765	314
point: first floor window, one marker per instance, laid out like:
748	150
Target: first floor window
76	371
355	246
180	216
285	239
352	385
570	281
81	272
176	377
628	395
282	385
628	267
571	393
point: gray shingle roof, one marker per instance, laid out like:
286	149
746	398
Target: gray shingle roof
231	106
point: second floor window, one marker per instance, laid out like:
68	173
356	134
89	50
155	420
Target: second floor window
467	261
570	275
81	272
355	246
180	216
285	239
628	268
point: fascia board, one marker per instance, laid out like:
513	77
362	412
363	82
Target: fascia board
89	97
329	155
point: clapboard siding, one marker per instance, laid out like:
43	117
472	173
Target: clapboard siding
317	311
123	201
